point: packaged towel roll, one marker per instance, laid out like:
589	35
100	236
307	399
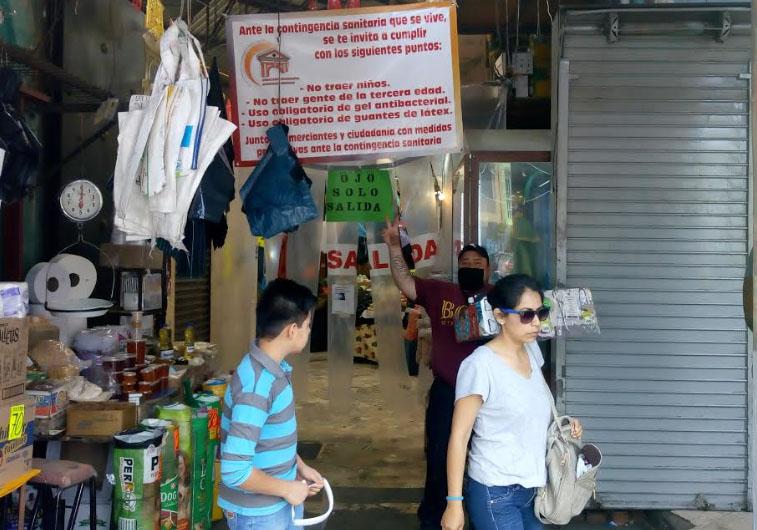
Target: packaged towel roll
14	300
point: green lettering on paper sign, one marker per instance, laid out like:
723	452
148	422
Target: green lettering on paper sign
363	195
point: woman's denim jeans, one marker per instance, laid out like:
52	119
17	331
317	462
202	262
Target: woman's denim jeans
501	507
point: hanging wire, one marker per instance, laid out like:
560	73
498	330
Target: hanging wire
538	20
278	39
81	139
499	29
112	50
549	13
517	28
507	32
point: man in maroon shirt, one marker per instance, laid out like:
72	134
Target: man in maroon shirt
442	300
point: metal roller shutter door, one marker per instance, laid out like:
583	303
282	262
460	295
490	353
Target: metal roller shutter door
657	226
193	307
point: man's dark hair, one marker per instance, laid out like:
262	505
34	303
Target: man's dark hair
478	249
283	302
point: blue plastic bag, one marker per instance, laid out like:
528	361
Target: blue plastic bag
276	197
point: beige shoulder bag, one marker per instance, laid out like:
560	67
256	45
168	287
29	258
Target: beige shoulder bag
566	494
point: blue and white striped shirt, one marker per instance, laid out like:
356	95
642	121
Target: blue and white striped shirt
258	431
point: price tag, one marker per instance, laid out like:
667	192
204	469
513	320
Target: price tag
16	422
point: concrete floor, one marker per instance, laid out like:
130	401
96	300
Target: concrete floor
368	445
372	455
718	520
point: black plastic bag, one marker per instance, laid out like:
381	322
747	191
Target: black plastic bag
276	198
23	152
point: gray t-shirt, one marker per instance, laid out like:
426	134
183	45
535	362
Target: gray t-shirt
509	442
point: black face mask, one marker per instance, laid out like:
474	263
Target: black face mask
470	279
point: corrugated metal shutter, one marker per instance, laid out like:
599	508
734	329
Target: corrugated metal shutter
657	227
193	306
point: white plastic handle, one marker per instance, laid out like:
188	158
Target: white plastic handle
317	520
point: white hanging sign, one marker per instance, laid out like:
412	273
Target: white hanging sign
350	83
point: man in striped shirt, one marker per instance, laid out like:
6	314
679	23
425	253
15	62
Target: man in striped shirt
262	475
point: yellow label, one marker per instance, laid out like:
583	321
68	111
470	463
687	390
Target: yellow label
16	422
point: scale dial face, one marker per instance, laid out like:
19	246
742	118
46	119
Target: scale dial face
81	201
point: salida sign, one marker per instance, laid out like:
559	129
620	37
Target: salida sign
341	260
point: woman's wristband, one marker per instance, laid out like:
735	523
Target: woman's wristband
455	497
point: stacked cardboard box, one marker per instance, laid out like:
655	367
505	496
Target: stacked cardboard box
52	401
14	347
17	411
16	437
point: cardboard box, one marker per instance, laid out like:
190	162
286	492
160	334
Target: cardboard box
50	426
16	463
98	419
14	346
51	397
131	256
16	454
5	417
473	50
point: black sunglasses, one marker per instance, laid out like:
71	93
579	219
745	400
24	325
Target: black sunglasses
527	315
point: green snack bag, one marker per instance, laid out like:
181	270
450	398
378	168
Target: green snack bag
212	405
136	463
137	469
136	514
181	416
169	484
201	494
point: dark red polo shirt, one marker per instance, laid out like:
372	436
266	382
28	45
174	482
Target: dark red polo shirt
442	300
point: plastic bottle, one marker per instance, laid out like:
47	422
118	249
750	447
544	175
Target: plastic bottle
136	325
166	345
189	339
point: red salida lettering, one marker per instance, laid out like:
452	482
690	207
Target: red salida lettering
334	259
417	252
431	249
377	263
351	261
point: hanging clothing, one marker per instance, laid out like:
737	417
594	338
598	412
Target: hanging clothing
23	152
207	223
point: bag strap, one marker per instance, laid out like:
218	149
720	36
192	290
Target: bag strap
555	415
321	518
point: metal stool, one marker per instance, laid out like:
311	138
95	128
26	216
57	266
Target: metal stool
61	475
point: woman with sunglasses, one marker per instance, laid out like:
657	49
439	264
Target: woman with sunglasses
502	401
